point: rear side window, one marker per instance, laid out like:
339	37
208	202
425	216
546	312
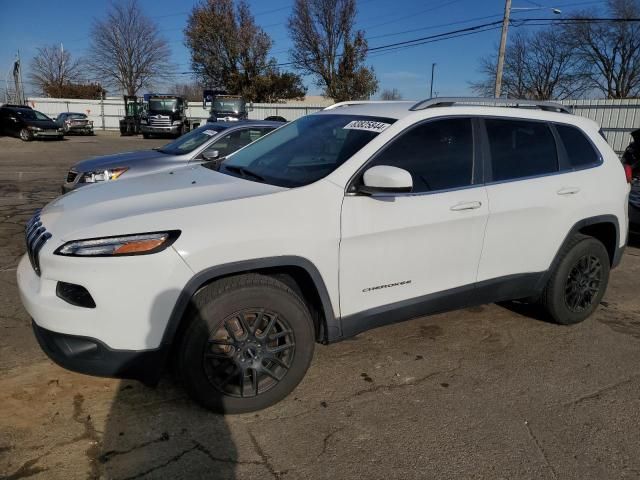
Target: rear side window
579	150
438	155
521	149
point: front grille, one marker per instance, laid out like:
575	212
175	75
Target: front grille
36	236
634	197
71	176
160	122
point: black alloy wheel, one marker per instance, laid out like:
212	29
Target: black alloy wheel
246	344
583	283
250	353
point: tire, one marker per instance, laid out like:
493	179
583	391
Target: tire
578	282
65	127
26	135
221	361
60	137
146	135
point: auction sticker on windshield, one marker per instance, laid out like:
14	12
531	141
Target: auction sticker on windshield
366	125
211	133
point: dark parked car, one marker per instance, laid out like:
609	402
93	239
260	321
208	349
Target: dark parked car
631	160
26	123
72	122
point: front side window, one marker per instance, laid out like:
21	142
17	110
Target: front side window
192	140
31	114
306	150
520	149
437	154
580	151
236	140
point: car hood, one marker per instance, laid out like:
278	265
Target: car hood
80	210
117	160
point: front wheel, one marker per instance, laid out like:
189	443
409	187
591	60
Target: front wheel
578	282
26	135
146	135
249	342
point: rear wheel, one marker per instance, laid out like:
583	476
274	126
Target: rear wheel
146	135
249	342
578	282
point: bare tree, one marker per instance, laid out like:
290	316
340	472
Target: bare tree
539	66
326	47
127	51
609	52
229	51
390	94
191	91
53	67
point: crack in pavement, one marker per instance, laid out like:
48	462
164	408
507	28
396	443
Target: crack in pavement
329	436
540	450
265	458
107	456
173	459
600	391
27	470
88	434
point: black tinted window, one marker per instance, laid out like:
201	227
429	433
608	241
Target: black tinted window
521	149
439	155
580	152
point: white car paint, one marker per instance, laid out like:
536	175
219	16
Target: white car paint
436	241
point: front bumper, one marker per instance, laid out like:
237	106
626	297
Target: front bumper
47	134
80	129
92	357
173	129
134	295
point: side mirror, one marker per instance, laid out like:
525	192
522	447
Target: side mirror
386	179
209	155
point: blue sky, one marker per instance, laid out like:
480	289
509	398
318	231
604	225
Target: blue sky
384	22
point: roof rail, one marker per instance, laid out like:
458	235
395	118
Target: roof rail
502	102
360	102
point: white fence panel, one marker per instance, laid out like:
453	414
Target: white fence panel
617	117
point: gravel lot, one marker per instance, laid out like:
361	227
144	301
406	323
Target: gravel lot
486	392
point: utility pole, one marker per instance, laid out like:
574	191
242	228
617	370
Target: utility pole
503	47
433	68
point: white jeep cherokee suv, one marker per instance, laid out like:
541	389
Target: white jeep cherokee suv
363	214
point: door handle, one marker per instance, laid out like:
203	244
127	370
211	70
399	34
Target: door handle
466	206
568	190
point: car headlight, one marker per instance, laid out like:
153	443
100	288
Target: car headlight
177	122
138	244
60	130
35	129
104	175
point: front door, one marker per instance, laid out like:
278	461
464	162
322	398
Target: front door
397	249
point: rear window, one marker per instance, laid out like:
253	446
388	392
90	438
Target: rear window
580	151
521	149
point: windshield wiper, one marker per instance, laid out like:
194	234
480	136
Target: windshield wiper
244	172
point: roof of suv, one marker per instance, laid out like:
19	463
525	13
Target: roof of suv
531	109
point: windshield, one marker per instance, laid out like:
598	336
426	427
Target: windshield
228	105
158	105
192	140
32	115
77	115
306	150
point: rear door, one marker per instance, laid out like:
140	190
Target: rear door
530	199
399	248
